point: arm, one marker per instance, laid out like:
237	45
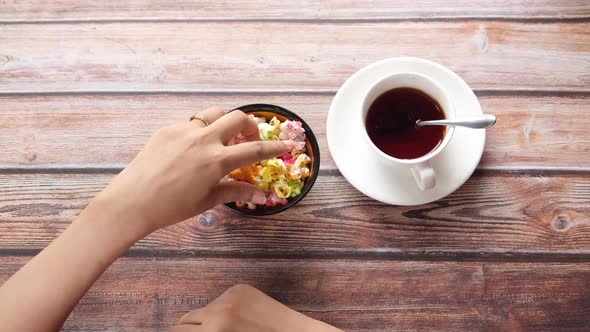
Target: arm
177	175
53	282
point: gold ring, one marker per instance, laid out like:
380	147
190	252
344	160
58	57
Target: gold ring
200	118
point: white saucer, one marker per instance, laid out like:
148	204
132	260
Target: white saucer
360	164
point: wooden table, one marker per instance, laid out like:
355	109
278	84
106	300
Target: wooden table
83	84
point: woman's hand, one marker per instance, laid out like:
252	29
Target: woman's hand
177	174
245	308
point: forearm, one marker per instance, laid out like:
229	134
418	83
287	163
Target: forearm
50	285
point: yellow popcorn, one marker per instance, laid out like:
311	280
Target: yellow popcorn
282	189
282	177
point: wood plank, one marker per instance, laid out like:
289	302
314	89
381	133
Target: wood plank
230	56
148	294
48	131
19	11
498	216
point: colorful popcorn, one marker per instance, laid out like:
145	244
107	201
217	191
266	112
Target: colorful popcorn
282	177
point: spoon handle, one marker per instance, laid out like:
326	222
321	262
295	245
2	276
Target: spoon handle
483	121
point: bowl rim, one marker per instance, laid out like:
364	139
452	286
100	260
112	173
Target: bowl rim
310	137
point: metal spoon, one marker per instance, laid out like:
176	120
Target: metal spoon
483	121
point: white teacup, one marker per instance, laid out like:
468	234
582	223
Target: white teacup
423	173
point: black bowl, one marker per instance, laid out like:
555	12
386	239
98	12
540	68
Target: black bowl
267	111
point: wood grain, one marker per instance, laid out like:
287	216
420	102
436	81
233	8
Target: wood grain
292	56
497	216
148	294
19	11
84	84
48	131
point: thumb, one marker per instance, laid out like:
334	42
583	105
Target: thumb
233	191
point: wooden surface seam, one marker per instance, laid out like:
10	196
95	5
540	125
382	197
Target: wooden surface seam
500	217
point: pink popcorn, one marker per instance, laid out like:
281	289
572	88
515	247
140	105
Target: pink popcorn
292	130
288	158
272	199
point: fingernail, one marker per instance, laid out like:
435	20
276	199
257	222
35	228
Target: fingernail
258	197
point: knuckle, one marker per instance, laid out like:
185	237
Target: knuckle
240	290
205	133
196	138
201	136
216	111
238	113
259	150
240	116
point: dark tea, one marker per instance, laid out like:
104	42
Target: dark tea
391	123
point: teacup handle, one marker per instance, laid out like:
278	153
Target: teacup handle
424	175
